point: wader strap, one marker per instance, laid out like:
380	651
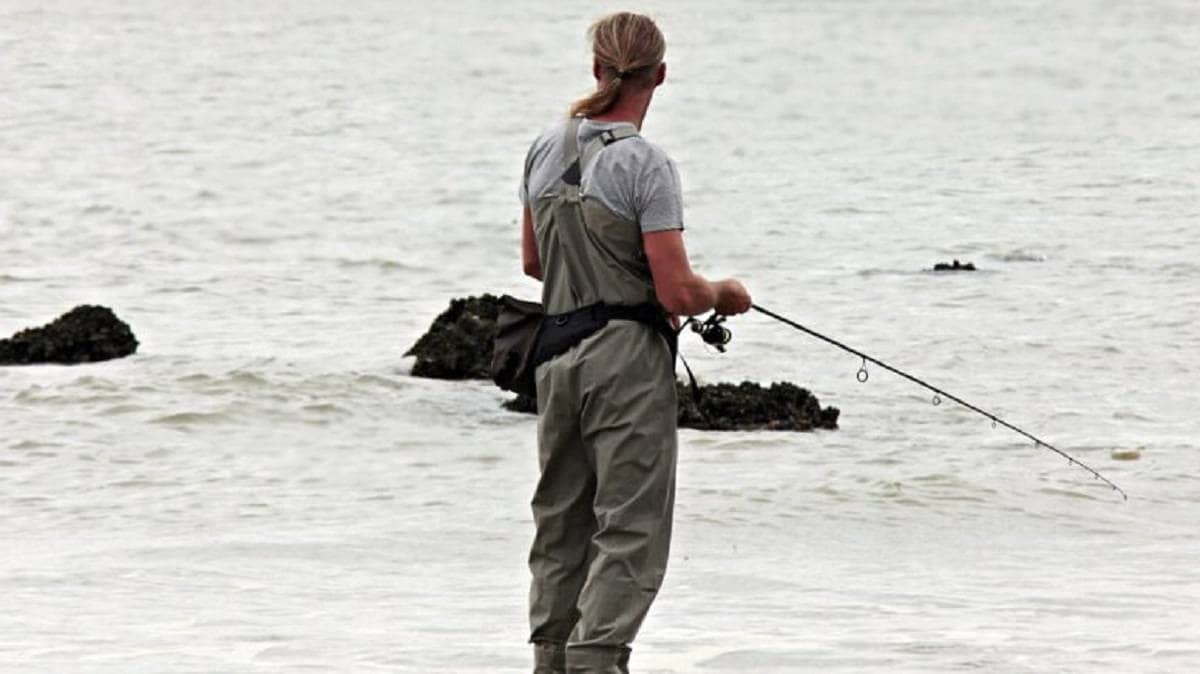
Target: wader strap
606	138
611	136
574	160
571	141
569	197
571	171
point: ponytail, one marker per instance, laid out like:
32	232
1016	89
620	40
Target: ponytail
599	101
628	48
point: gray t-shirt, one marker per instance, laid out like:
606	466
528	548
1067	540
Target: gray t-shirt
633	177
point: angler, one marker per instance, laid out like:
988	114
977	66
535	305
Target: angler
601	228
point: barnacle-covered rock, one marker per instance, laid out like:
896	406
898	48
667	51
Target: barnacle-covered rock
85	334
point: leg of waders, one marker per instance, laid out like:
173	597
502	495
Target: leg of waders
598	660
562	512
628	426
549	658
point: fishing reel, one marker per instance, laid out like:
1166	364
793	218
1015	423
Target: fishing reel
712	332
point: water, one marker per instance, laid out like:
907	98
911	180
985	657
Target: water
279	199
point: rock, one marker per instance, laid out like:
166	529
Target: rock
954	266
522	403
738	407
459	343
85	334
749	406
459	346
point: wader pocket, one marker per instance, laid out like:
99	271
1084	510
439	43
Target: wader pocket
515	344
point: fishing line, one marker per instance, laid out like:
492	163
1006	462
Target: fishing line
863	375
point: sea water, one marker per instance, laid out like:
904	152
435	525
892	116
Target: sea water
279	198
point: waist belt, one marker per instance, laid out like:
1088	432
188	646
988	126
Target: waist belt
560	332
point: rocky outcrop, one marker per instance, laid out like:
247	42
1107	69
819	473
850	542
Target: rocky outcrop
738	407
954	266
458	345
85	334
749	406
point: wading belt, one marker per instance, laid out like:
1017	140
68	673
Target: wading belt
560	332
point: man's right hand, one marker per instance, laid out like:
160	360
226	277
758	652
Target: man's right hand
732	297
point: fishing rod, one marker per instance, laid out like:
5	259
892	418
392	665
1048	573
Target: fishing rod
712	332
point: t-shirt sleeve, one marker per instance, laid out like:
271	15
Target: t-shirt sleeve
658	198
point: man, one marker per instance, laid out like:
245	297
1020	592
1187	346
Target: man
602	228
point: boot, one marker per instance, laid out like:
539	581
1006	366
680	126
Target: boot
549	657
598	660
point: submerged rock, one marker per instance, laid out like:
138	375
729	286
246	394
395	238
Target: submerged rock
85	334
459	343
459	346
738	407
954	266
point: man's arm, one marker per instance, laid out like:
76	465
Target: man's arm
529	251
682	291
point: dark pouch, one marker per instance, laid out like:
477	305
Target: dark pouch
514	348
560	332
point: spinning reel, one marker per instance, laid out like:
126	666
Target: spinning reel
712	332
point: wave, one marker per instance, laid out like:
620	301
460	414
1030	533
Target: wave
184	419
1018	255
374	262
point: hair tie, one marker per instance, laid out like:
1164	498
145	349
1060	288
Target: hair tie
622	74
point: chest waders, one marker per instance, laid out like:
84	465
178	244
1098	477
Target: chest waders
606	435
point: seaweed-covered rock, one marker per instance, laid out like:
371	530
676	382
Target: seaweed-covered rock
85	334
749	406
737	407
459	343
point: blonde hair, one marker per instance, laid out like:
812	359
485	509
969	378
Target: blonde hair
628	47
